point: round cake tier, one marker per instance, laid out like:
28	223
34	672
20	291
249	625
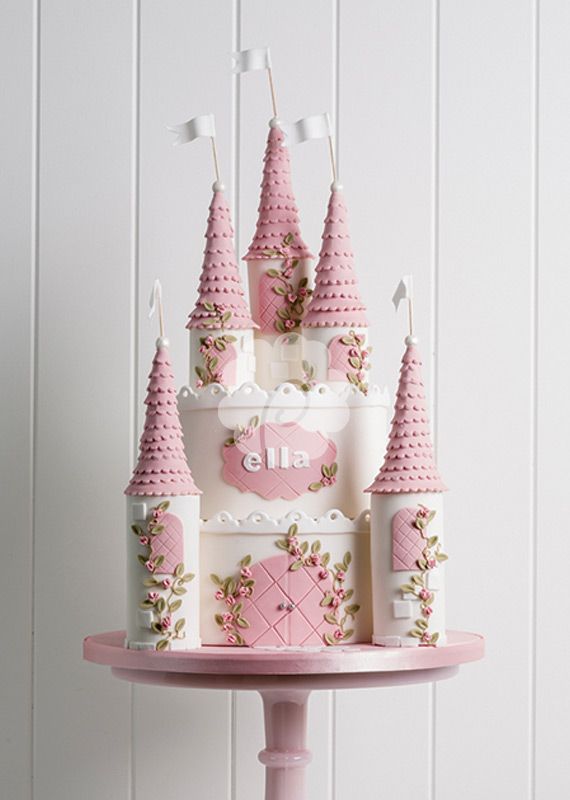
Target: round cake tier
254	450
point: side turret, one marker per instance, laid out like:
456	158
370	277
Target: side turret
163	523
221	327
406	519
335	326
279	270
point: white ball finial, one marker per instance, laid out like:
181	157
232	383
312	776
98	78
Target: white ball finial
411	340
336	186
218	186
162	341
275	122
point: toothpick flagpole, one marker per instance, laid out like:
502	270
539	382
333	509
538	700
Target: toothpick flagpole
272	90
215	157
333	159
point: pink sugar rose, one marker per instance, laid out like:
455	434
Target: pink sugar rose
226	628
219	595
426	638
243	591
227	617
230	600
209	341
150	565
341	575
231	639
291	297
289	323
353	352
341	594
360	375
425	595
432	563
323	574
335	602
202	349
165	623
338	634
167	583
297	552
292	540
153	596
246	572
315	559
365	354
157	513
199	384
359	338
302	292
326	480
427	611
144	540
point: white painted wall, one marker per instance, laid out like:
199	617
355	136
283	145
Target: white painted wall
453	136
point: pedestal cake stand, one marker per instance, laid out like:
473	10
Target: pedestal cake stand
285	678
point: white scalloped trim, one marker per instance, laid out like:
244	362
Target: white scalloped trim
250	395
334	521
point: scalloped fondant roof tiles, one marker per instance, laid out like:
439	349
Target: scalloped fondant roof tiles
220	281
162	468
278	212
336	299
409	464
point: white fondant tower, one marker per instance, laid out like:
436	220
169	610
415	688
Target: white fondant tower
279	270
406	536
221	327
163	526
336	324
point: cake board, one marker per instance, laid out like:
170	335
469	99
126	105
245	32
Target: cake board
285	679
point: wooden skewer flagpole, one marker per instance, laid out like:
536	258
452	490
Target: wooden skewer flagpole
333	159
272	90
215	157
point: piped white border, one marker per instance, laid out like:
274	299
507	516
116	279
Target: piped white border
333	521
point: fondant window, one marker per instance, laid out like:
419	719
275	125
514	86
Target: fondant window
169	544
338	359
407	541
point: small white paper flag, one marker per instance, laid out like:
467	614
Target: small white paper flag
155	298
404	290
194	128
249	60
316	127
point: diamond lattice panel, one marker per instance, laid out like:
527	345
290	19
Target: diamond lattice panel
407	541
169	543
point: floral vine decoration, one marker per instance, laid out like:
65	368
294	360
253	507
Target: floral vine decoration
212	346
243	432
357	359
294	295
232	592
328	477
164	597
431	556
337	612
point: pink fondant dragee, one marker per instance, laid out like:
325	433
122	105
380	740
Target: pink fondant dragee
162	468
336	299
278	212
409	464
220	280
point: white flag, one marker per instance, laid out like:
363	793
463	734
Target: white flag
155	298
404	290
248	60
198	126
316	127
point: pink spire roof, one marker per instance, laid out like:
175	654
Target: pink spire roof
162	468
409	464
278	212
220	282
336	300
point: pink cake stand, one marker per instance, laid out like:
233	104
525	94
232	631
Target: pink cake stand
285	679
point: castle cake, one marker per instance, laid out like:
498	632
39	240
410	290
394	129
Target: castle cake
290	540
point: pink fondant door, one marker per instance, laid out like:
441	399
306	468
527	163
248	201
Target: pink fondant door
169	543
285	608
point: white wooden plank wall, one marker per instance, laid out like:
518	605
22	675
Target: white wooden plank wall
453	126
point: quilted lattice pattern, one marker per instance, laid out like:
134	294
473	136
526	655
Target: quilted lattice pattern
336	298
278	212
407	542
269	302
338	360
409	464
169	543
272	620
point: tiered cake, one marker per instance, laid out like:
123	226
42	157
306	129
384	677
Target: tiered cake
283	430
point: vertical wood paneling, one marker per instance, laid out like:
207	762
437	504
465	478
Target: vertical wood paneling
185	70
386	152
300	37
553	428
17	211
83	439
485	405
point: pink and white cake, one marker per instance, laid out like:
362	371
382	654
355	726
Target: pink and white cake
283	434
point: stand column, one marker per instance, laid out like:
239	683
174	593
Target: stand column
285	756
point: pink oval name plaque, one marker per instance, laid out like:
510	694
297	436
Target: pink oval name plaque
278	460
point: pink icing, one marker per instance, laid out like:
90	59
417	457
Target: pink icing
227	365
169	543
409	464
272	621
338	360
162	468
269	303
336	299
278	212
407	541
220	281
287	483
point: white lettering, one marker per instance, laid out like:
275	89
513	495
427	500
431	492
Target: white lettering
284	457
252	462
270	457
300	459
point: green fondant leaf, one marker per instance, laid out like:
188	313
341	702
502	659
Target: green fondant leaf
189	576
432	541
280	326
283	313
229	442
218	619
327	600
226	316
142	560
325	558
348	634
278	289
220	345
137	530
201	373
347	559
330	618
353	609
164	506
407	588
179	571
156	627
297	565
178	590
254	421
422	624
441	556
146	604
329	639
282	545
215	579
180	624
209	306
150	582
303	282
242	623
293	529
304	547
315	487
326	471
355	362
160	604
416	633
159	560
174	606
162	644
273	273
434	638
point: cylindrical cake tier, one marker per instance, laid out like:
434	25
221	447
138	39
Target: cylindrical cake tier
252	450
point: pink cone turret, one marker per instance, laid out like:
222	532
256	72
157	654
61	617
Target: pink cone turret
406	523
